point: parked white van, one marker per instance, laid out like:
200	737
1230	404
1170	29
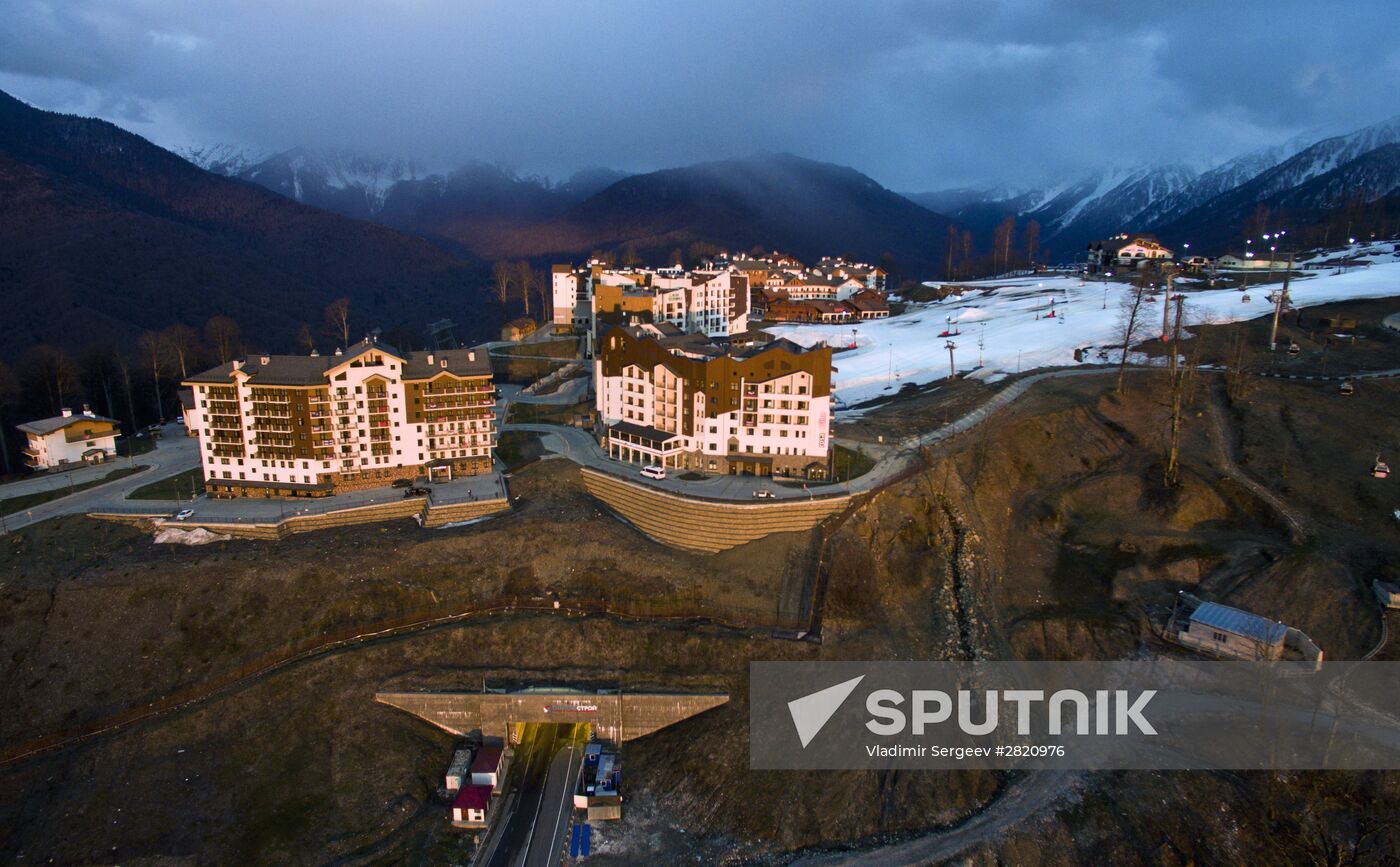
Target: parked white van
654	472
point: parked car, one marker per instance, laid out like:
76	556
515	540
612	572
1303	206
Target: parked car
403	483
654	472
763	495
184	514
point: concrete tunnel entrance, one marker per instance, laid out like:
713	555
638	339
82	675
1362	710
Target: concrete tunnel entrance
612	716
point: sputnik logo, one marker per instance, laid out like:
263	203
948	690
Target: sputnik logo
811	712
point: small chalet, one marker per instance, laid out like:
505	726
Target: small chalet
1126	251
69	438
518	329
869	305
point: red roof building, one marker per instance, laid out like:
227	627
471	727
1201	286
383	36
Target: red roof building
471	804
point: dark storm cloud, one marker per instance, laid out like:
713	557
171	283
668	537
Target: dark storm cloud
918	94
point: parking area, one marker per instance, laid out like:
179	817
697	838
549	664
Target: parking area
248	510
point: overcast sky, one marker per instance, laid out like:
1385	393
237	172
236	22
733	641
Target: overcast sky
920	95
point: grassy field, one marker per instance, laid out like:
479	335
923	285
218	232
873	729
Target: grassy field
848	463
181	486
135	445
518	448
28	501
547	413
565	349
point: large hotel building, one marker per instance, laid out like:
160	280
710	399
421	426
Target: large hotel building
713	302
312	425
682	401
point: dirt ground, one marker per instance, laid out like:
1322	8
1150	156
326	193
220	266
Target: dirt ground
1047	533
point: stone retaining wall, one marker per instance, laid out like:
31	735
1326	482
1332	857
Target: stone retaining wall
416	508
706	526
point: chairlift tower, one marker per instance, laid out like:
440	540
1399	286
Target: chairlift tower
443	332
1280	298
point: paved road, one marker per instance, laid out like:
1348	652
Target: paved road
571	392
54	479
580	447
529	831
174	453
557	806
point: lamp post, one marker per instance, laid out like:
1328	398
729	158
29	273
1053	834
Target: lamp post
952	370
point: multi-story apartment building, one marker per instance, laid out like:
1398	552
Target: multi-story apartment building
682	401
713	302
309	426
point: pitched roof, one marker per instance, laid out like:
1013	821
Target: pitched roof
487	760
59	422
311	369
472	798
1233	620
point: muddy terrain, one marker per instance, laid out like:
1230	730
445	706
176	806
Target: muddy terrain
1048	532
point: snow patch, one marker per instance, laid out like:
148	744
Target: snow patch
1011	321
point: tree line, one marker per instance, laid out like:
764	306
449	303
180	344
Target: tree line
136	384
1352	214
963	260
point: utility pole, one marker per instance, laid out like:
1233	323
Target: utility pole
952	370
1279	301
1178	376
981	341
1166	303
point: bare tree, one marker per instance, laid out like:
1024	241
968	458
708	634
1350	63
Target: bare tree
223	335
154	354
966	248
53	370
181	341
1032	241
9	392
1001	247
124	367
502	277
525	282
1130	326
951	245
305	340
338	320
1178	373
99	370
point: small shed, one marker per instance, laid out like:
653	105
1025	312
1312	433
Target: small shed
458	769
1224	631
488	767
1387	593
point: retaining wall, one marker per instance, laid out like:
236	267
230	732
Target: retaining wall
428	515
706	526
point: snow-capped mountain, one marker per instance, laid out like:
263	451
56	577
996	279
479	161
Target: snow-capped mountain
222	159
349	183
1071	213
1223	178
1104	203
1305	172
